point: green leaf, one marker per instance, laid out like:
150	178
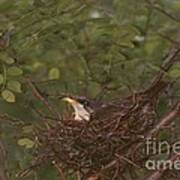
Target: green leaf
27	129
1	79
9	60
175	73
14	86
14	71
151	46
8	96
153	67
4	57
54	73
28	143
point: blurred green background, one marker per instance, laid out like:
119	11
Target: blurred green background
104	48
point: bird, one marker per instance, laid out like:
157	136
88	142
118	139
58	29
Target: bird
82	107
143	102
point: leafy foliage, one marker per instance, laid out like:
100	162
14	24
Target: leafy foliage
94	48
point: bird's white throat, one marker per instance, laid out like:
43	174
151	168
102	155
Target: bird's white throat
79	110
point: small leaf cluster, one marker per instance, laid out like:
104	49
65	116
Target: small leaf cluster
9	75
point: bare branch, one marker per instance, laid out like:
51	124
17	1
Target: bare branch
3	173
162	10
60	171
166	120
157	175
169	61
37	93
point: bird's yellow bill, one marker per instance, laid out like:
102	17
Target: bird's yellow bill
79	110
69	100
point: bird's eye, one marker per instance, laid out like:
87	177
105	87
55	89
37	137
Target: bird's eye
84	102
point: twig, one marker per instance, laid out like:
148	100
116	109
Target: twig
128	161
39	96
166	120
7	118
78	175
41	114
170	59
163	11
157	175
3	173
60	171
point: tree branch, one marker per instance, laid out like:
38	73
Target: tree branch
157	175
169	61
3	173
166	120
37	93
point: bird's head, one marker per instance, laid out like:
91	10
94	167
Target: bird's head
81	105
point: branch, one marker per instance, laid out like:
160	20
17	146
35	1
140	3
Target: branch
3	173
166	120
157	175
37	93
170	59
60	171
163	11
14	121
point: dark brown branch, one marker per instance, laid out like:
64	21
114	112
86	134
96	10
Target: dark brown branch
163	11
60	171
157	175
166	120
3	173
78	175
8	119
37	93
169	61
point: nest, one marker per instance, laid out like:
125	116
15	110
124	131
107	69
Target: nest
109	145
103	147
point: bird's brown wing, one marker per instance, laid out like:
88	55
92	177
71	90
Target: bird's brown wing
109	111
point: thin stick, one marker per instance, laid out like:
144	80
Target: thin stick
166	120
3	173
170	59
78	175
39	95
157	175
60	171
